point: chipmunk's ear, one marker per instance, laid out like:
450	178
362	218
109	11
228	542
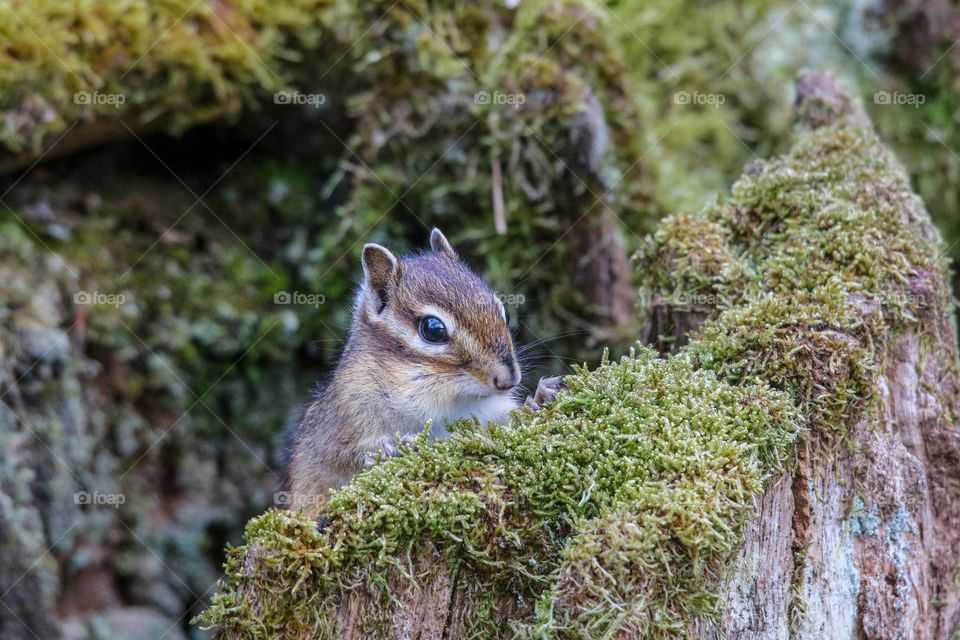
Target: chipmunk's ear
379	270
439	243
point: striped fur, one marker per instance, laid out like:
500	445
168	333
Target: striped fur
390	381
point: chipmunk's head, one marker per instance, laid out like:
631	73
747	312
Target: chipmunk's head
431	315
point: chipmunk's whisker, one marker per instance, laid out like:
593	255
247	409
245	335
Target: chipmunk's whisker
542	341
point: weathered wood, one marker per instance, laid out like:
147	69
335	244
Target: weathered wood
668	326
861	544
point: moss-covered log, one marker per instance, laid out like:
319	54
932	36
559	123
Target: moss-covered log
861	539
87	69
792	470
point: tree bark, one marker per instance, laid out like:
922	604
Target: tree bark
668	327
599	269
886	569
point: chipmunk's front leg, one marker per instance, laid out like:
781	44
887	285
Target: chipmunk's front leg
389	447
547	390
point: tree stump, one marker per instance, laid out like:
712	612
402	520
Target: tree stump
835	302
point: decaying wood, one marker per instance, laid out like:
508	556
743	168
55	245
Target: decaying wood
863	543
668	327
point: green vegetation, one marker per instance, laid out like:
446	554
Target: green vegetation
177	62
176	397
812	262
573	102
410	140
840	260
688	261
683	454
421	105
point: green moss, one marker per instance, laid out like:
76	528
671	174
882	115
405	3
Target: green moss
404	134
401	83
914	90
681	453
178	62
840	258
689	262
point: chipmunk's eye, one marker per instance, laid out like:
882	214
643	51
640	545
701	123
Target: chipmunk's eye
433	330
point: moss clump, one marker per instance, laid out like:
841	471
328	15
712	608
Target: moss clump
688	262
683	454
179	62
910	44
840	255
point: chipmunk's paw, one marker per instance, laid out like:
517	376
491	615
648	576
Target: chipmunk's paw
390	447
547	390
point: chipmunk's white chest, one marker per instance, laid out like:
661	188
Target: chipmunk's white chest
490	409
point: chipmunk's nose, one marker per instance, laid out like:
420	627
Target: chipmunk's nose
507	375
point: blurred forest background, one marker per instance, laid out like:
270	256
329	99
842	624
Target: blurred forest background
186	186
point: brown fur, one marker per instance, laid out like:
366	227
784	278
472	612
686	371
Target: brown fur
389	381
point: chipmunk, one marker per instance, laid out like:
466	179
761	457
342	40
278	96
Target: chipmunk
428	342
